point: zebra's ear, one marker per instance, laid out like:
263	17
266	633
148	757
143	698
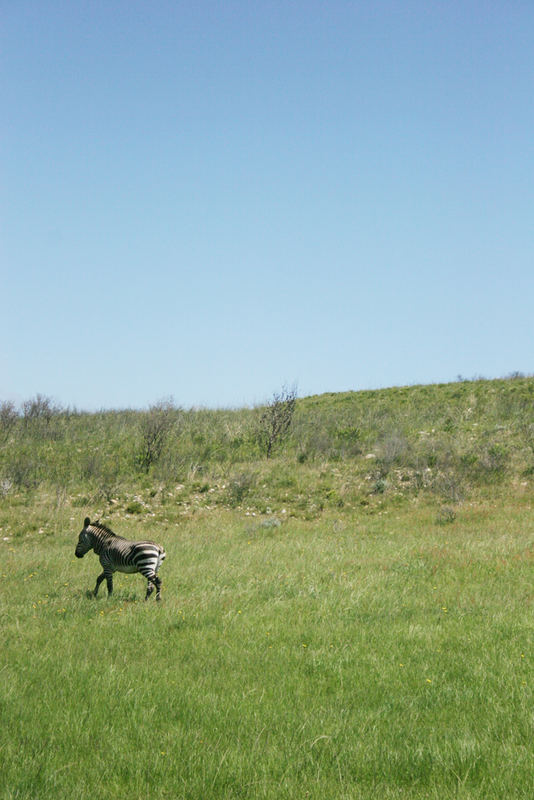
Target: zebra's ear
86	522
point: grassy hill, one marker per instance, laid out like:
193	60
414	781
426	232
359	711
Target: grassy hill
355	450
351	618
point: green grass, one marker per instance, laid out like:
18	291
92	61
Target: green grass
365	653
351	618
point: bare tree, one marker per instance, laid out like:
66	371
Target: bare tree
40	407
8	416
276	419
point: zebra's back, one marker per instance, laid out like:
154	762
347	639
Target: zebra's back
126	556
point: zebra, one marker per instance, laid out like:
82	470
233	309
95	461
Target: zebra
117	553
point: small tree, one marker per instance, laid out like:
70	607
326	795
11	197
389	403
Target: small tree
156	425
8	416
40	408
42	418
276	419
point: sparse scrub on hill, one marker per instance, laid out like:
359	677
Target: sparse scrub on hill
446	441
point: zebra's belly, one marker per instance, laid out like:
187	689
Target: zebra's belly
126	568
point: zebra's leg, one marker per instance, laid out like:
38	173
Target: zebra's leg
149	589
109	581
98	582
153	581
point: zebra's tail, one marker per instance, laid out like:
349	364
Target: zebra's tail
161	557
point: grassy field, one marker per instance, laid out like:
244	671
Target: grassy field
349	618
361	655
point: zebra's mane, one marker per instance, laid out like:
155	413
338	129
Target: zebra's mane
101	528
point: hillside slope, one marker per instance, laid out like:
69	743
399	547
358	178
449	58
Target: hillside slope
342	451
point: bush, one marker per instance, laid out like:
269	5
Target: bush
8	416
41	408
155	426
379	486
276	419
446	515
134	507
239	486
349	440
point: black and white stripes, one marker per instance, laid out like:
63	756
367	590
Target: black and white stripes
119	554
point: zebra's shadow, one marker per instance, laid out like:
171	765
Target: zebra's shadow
116	597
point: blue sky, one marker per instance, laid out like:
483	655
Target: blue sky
209	200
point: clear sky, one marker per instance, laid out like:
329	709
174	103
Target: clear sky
207	200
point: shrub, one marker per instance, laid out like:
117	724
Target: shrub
446	515
276	419
450	485
349	440
394	450
41	418
134	507
24	471
156	425
379	486
39	407
8	416
239	486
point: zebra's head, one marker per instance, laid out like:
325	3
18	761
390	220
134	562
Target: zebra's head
85	540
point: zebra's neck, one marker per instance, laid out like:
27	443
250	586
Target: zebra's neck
101	539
